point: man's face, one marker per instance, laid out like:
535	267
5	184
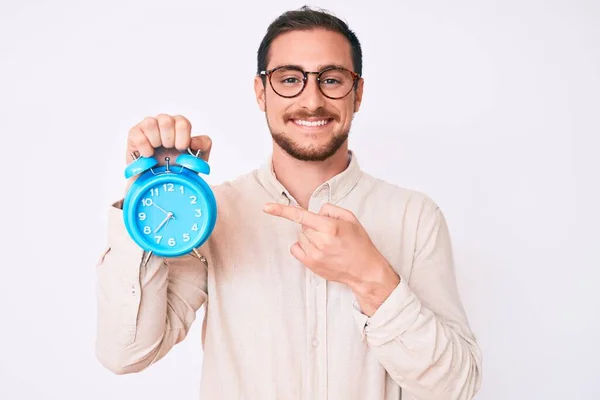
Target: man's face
309	127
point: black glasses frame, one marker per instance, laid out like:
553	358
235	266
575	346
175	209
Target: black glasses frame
305	74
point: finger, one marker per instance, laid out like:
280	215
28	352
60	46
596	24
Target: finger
298	253
183	132
166	126
138	141
203	143
149	126
301	216
307	245
333	211
318	239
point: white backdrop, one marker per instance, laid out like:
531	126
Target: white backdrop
504	97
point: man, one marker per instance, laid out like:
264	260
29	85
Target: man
319	281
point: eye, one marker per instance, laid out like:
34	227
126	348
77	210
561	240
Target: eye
330	81
336	77
292	80
287	77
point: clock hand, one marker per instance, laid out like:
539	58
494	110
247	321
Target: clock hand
157	206
172	217
164	221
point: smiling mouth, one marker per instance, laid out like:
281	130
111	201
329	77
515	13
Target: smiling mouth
312	124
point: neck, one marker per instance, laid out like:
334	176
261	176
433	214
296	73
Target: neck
302	178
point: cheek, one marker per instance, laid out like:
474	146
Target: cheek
275	108
346	112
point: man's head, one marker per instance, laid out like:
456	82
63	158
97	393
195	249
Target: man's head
307	119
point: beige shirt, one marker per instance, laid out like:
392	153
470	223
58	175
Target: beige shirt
272	329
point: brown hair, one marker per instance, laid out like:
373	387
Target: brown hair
306	18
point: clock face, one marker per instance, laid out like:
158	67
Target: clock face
171	216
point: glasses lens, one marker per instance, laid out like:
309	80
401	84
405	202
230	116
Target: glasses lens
287	82
336	83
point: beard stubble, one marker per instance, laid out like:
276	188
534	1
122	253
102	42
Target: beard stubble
310	152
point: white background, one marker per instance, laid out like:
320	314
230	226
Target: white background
490	107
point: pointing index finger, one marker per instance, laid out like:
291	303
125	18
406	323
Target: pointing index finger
295	214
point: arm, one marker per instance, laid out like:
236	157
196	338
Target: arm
418	329
144	308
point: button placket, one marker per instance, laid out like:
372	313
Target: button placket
318	297
313	320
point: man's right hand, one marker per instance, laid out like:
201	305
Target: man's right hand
164	136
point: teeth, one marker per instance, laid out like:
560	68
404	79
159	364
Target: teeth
309	123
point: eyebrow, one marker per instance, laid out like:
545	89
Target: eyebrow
319	68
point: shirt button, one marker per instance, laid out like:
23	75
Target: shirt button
133	291
315	343
315	281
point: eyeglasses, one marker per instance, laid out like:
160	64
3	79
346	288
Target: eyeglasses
289	81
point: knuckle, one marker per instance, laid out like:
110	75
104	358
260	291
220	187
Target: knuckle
318	255
136	138
149	122
179	117
182	124
332	229
165	121
133	132
321	246
327	241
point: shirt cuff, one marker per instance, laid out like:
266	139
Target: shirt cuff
395	315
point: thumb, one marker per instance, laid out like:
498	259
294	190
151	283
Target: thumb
330	210
202	143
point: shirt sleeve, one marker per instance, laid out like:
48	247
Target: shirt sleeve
420	333
145	304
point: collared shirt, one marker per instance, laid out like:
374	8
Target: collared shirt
272	329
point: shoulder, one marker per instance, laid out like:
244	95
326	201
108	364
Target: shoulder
236	188
410	201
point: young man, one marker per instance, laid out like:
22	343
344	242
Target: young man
319	281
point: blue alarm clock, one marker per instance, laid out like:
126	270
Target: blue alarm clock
169	210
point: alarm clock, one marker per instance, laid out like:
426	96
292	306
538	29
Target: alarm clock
169	209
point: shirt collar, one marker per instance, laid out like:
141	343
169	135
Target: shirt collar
335	188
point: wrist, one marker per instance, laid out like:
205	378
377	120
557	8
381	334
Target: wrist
374	286
376	278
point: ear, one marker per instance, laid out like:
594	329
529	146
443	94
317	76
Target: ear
358	94
259	90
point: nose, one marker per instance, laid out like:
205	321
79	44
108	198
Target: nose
311	97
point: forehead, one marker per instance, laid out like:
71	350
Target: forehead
311	50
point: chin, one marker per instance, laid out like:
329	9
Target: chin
317	149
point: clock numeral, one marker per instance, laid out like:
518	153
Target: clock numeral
147	202
171	242
181	189
169	187
142	216
157	238
195	227
198	212
154	192
147	230
194	200
186	237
